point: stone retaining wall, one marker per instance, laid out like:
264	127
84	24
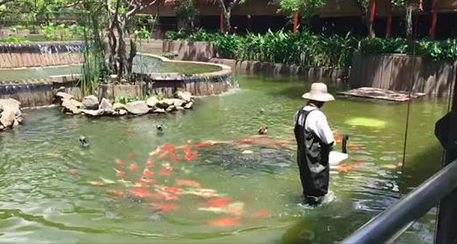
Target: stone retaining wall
402	73
39	54
189	50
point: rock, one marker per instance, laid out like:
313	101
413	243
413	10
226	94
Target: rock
152	101
64	95
179	108
2	127
9	104
122	112
71	105
119	106
106	106
90	102
8	117
137	108
171	108
188	105
184	95
19	119
159	111
170	102
94	113
15	123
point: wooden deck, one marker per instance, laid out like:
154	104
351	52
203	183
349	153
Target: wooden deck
380	94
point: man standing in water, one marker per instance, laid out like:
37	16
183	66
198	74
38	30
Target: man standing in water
315	140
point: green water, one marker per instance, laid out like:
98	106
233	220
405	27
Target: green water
42	202
142	64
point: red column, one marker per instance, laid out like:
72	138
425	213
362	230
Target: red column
373	11
389	19
296	22
222	22
434	19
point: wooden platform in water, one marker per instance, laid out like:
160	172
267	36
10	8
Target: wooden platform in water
381	94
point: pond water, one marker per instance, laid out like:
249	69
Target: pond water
142	64
53	190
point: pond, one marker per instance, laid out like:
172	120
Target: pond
142	64
53	190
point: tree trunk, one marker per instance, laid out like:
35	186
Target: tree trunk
228	26
409	22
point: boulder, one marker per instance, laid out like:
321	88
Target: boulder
106	106
8	117
94	113
171	108
152	101
19	119
179	108
15	123
63	95
170	102
9	104
71	105
189	105
138	108
90	102
122	112
184	95
159	111
119	106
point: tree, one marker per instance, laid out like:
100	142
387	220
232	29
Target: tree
186	12
364	6
226	7
306	8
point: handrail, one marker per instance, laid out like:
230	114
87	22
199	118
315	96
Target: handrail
396	219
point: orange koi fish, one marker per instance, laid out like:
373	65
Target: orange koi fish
117	192
171	189
133	167
168	147
190	183
171	197
174	156
224	222
191	156
131	155
158	196
262	213
204	144
147	172
245	141
120	162
354	147
163	154
96	183
188	149
120	173
345	168
164	207
357	162
219	202
140	192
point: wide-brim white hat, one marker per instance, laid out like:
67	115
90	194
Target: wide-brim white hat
319	93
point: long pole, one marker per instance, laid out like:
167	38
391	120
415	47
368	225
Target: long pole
222	22
447	215
389	19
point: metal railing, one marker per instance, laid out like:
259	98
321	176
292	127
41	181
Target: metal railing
392	222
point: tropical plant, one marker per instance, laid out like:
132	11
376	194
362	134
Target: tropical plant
306	8
187	12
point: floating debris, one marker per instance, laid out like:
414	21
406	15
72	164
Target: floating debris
381	94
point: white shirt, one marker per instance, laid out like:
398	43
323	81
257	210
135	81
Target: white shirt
317	123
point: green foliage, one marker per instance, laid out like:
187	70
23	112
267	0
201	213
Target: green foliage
186	11
306	8
435	50
142	33
62	32
126	99
12	39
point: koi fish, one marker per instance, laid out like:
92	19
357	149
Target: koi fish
129	183
154	152
247	152
242	146
204	144
223	222
140	192
53	155
120	162
131	155
188	149
345	168
354	147
96	183
148	181
191	156
164	172
168	147
236	208
262	213
133	167
171	189
245	141
120	173
150	162
107	181
206	193
147	172
117	192
164	207
174	156
357	162
190	183
73	172
219	202
158	196
163	154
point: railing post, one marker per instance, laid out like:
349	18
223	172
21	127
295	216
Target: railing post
447	214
